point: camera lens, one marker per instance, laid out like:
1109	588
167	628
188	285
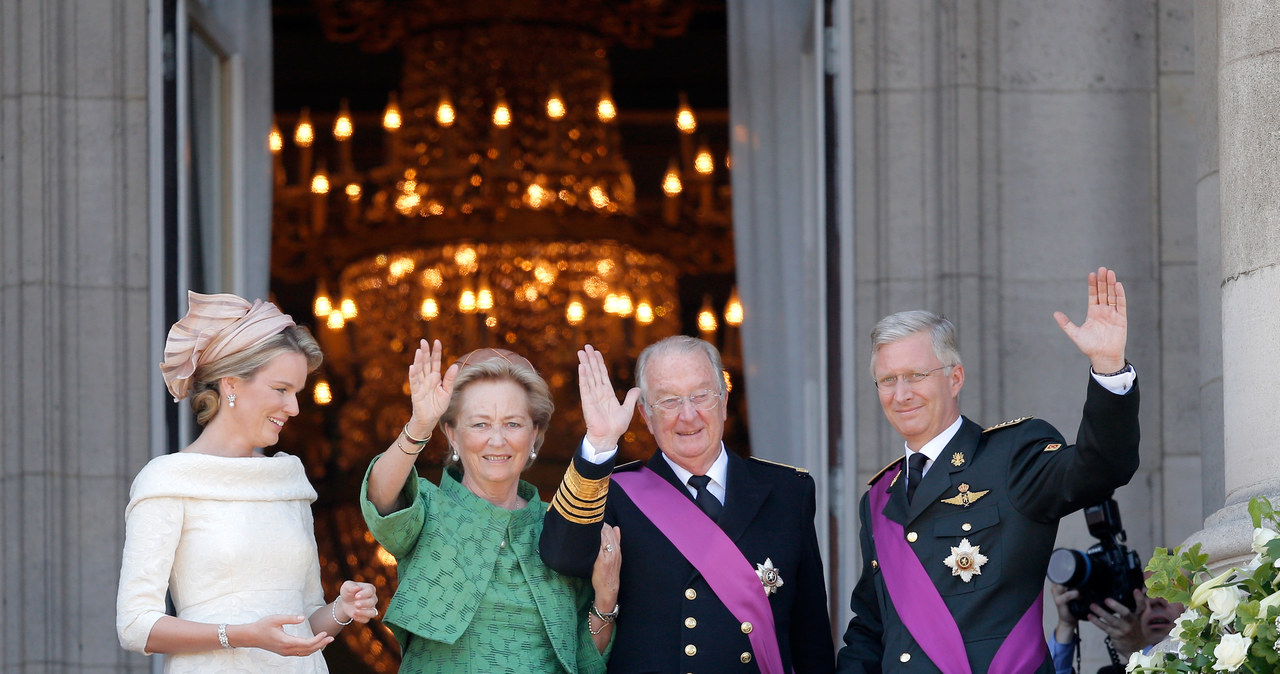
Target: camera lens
1068	567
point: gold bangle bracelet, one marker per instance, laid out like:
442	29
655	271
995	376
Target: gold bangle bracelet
412	439
401	447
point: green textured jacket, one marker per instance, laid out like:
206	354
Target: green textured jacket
446	542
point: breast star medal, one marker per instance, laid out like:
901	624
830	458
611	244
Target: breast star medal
965	497
965	560
769	577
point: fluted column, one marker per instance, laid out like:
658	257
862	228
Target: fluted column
74	362
1249	140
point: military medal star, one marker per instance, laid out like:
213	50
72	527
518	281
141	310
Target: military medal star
966	560
769	577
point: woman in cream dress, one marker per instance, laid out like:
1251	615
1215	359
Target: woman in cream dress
226	530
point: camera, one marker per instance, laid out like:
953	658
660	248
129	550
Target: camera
1108	569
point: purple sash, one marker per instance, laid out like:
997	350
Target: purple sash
711	552
926	615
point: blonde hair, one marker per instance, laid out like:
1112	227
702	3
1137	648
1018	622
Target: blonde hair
206	399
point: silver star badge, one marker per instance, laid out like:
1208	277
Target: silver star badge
769	577
966	560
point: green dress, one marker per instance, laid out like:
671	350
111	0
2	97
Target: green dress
474	595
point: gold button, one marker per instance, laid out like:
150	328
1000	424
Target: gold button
905	657
691	622
966	526
911	538
690	650
690	594
745	657
746	628
875	564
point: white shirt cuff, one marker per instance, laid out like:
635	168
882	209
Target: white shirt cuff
594	456
1118	384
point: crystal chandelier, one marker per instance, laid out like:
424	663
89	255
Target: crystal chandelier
500	213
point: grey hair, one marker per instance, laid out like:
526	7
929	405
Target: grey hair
895	327
678	344
499	369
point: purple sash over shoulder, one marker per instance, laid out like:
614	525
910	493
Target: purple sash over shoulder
711	552
926	615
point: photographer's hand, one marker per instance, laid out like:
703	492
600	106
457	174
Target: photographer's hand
1121	624
1065	632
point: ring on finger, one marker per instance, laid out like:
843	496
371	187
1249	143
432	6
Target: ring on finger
608	547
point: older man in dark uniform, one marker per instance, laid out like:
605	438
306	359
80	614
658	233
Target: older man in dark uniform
955	540
721	570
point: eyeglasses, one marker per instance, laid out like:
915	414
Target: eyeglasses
701	400
911	378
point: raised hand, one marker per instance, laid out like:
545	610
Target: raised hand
429	391
358	601
1105	330
606	418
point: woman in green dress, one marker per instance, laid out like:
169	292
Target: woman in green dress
474	595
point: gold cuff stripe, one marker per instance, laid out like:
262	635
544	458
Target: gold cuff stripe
580	500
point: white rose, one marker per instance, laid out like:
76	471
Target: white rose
1138	661
1230	653
1262	536
1222	602
1179	630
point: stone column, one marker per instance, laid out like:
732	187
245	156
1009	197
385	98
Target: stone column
74	327
1248	145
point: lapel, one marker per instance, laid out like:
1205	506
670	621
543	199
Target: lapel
938	480
895	507
743	495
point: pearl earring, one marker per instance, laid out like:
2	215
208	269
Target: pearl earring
454	458
231	400
533	454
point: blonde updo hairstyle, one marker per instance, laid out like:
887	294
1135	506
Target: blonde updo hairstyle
498	369
206	398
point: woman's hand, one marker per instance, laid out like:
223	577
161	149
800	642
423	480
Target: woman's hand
269	635
606	574
429	390
358	601
606	418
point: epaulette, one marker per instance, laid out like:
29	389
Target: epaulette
630	465
1006	424
883	470
767	462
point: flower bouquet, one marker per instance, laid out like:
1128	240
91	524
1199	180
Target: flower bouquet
1232	620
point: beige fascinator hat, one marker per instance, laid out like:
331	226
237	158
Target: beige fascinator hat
215	326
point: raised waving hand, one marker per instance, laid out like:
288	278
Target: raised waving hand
606	418
1105	329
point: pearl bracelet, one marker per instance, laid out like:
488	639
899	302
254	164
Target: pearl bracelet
333	611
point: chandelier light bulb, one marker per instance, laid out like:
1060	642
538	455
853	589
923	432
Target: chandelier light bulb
275	142
323	394
320	183
733	310
555	104
391	120
502	115
430	309
304	134
342	128
685	121
336	321
349	308
467	301
704	164
707	317
671	184
484	299
644	312
353	191
444	111
605	109
322	306
575	312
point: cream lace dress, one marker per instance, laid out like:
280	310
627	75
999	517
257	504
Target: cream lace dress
232	539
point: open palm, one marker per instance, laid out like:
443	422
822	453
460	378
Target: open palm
606	418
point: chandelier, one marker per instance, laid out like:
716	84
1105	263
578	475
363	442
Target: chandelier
499	211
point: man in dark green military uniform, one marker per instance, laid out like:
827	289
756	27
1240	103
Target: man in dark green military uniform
955	540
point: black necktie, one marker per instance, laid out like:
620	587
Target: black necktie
705	499
915	473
